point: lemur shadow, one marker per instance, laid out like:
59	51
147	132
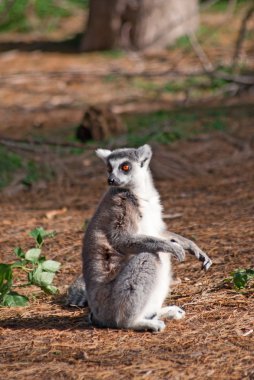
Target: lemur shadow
47	323
71	45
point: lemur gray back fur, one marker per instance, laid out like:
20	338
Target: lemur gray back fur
126	249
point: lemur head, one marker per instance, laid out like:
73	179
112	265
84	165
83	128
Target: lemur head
126	166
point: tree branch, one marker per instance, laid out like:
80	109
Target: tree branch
29	145
200	53
241	35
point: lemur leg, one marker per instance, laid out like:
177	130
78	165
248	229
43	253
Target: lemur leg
76	295
155	324
132	291
172	312
190	246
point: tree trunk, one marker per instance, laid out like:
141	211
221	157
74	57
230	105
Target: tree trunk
138	24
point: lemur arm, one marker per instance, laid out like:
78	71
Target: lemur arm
191	247
134	244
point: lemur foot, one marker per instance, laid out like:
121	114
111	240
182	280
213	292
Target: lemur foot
76	295
155	325
172	312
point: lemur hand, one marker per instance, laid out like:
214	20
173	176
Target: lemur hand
177	250
190	246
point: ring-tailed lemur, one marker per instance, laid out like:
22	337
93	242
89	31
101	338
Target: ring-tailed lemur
126	249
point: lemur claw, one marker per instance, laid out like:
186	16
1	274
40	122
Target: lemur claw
206	264
206	261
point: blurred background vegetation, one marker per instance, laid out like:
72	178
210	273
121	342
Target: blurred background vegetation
202	81
32	15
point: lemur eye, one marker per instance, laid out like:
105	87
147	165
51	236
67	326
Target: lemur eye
125	167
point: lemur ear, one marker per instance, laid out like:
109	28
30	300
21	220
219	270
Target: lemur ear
144	154
103	154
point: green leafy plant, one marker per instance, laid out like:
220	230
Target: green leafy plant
240	278
40	271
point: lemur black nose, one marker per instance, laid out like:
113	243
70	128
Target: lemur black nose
111	181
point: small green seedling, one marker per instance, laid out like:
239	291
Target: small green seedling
39	234
40	271
240	278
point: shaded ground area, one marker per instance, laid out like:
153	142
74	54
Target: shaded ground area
203	165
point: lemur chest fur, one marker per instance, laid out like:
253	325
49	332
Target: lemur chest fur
150	222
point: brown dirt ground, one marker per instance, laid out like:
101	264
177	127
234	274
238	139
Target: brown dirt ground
46	340
215	340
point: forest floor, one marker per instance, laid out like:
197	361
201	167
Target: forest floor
208	198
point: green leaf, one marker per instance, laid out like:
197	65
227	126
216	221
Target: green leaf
250	273
240	277
33	254
39	239
34	277
47	278
19	252
50	289
51	266
240	280
5	279
14	299
39	234
36	231
40	277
